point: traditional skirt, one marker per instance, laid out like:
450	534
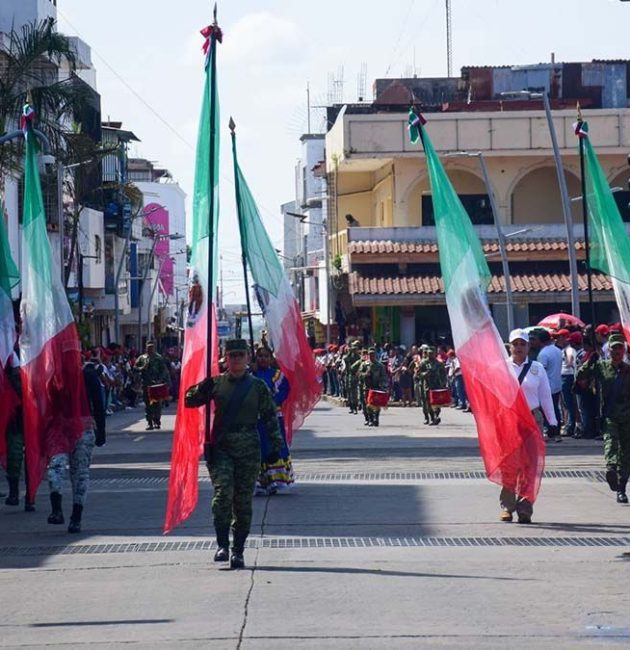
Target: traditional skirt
275	476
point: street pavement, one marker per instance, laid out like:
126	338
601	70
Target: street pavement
389	539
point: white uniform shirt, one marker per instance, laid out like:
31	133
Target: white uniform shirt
568	360
536	388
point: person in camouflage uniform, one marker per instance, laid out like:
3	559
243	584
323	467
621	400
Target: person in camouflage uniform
233	455
613	380
351	376
432	376
374	376
153	370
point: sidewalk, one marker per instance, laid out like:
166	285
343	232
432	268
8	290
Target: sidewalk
390	539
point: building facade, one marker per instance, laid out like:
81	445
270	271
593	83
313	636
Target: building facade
389	274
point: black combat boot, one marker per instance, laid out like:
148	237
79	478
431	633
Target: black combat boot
75	518
377	414
56	516
13	499
622	497
157	423
236	560
612	478
149	426
223	544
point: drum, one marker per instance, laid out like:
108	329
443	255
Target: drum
378	398
158	392
440	397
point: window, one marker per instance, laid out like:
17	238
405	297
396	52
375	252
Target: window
98	249
477	206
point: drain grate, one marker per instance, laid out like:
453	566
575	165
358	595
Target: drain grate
310	543
337	477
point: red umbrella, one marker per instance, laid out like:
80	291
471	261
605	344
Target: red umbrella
557	321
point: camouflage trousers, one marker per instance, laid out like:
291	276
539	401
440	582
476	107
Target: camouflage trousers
15	448
352	392
617	446
152	412
233	469
79	462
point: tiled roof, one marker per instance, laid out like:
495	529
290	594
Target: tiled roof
513	246
433	285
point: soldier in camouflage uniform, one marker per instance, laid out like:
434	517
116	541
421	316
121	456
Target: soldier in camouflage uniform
351	376
432	376
233	456
374	376
613	379
153	370
80	458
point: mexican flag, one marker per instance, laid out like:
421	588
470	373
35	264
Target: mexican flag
54	400
609	243
511	444
280	309
8	279
190	424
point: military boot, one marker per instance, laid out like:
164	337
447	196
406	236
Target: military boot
612	478
56	516
377	415
75	518
236	560
13	499
223	544
149	426
622	497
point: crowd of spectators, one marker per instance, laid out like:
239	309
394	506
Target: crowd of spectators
561	352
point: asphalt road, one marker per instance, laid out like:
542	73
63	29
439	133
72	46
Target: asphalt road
389	539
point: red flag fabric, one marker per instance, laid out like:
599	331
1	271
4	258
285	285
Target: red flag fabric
10	401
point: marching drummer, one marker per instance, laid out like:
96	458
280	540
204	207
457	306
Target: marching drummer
432	376
373	376
153	371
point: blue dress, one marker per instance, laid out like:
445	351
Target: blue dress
278	475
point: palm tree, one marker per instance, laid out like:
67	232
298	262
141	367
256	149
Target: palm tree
30	65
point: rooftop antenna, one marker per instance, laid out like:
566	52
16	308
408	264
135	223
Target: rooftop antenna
308	108
335	86
362	82
449	41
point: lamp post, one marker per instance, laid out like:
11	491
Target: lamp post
148	265
119	270
500	235
324	226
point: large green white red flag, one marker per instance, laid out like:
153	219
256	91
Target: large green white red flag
191	424
609	243
511	444
54	400
8	279
280	309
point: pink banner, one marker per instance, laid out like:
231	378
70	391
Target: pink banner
158	218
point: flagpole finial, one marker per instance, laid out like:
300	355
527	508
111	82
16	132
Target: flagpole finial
579	111
232	125
214	13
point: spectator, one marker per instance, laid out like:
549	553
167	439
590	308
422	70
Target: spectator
550	357
567	379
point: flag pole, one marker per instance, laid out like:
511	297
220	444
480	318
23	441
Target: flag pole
589	280
212	175
241	229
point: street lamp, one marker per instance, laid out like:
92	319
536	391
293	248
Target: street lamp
500	236
119	269
324	226
148	265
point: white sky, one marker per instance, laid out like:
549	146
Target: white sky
271	49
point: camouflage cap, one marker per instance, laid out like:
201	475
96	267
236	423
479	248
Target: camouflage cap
355	344
371	350
236	345
616	339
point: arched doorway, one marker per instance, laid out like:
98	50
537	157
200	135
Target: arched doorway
536	197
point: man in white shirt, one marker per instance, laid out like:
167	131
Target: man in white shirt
534	383
550	356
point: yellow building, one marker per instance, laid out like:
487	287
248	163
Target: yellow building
388	265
